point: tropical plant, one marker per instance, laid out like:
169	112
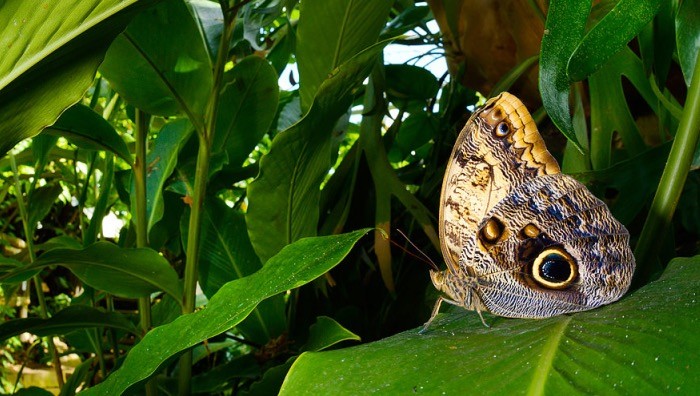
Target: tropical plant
246	146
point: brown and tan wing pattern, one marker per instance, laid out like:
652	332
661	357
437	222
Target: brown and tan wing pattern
498	149
553	217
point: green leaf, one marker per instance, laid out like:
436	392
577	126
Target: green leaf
72	318
271	381
40	202
80	376
160	63
630	184
411	17
688	37
101	206
50	54
566	21
88	130
32	391
285	42
209	19
325	333
123	272
609	110
283	200
247	107
218	378
41	146
226	254
644	344
346	26
294	266
162	159
610	35
404	82
415	131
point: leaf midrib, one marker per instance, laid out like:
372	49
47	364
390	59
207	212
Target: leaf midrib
545	364
30	62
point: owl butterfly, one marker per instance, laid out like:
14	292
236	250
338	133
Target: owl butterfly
520	238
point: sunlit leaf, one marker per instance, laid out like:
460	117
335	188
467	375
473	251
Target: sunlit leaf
160	64
347	27
51	51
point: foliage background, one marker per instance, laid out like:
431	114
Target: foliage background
224	180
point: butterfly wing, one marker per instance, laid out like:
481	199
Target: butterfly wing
498	149
558	249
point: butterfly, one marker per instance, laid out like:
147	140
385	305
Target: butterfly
520	238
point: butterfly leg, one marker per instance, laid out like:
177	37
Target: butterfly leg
436	310
481	316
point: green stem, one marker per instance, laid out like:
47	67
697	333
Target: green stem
671	184
109	301
140	221
206	136
29	235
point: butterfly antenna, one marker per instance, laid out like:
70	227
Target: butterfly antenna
423	257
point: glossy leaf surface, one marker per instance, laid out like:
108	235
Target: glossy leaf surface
644	344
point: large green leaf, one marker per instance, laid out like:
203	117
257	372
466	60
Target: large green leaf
66	320
246	108
283	200
121	271
51	51
645	344
226	254
566	21
346	28
160	64
688	36
610	35
87	129
294	266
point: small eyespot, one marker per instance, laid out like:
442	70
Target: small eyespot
530	231
554	269
492	231
502	130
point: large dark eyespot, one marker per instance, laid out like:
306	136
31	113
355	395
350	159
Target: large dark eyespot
554	269
502	130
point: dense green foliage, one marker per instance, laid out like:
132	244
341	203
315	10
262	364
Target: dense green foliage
243	202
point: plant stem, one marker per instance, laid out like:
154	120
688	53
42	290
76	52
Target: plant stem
671	184
29	235
206	136
141	222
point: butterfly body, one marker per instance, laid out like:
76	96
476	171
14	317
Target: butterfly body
520	238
